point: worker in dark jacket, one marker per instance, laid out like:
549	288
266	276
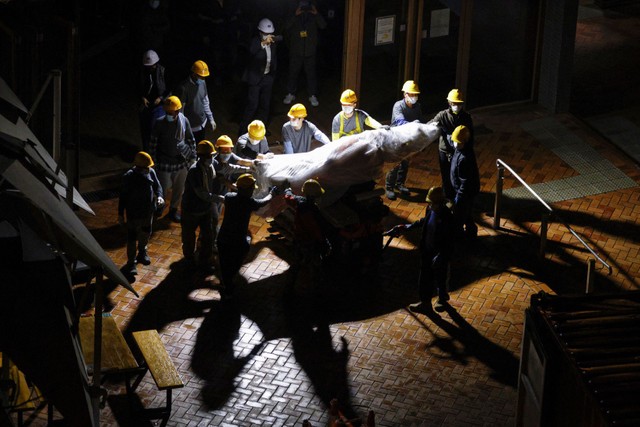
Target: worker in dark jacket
198	206
253	144
260	73
465	179
447	121
233	241
140	195
194	95
153	91
436	246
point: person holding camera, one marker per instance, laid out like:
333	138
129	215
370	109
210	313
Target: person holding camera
302	30
259	74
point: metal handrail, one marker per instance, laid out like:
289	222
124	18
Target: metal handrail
501	165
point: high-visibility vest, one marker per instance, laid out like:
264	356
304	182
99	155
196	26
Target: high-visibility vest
358	128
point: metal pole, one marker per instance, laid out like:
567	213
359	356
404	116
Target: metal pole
498	200
97	349
591	265
544	226
57	115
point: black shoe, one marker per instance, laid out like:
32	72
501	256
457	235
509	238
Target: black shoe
174	215
143	258
421	307
440	305
130	267
444	297
402	189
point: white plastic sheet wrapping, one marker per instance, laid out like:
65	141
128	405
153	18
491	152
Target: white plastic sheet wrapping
350	160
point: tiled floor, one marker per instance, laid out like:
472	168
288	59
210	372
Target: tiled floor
276	358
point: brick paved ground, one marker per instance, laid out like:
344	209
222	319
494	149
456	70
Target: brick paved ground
275	359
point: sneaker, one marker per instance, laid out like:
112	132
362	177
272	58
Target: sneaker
143	258
314	101
402	189
421	308
288	99
391	195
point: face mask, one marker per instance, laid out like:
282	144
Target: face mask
199	81
456	109
412	99
347	109
225	156
457	145
296	124
254	141
170	118
154	4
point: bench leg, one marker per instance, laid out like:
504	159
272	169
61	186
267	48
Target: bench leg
165	420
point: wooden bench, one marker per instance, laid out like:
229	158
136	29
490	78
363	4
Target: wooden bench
163	371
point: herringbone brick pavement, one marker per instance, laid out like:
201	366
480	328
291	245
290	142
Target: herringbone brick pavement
274	358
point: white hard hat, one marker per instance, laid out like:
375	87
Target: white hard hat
266	26
150	57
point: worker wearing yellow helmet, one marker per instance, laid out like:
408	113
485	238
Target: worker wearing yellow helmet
253	144
193	93
447	121
233	241
465	180
351	120
140	195
173	149
298	132
199	210
406	110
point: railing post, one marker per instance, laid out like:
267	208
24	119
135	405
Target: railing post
591	265
57	115
498	199
544	227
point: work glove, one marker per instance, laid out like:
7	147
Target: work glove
160	201
121	220
268	156
213	125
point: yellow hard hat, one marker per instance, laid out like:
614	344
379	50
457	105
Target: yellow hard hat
455	96
312	188
172	104
435	195
410	87
200	68
143	160
205	148
297	110
256	130
224	141
461	134
246	181
348	97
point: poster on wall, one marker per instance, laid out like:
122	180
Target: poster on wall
385	26
439	23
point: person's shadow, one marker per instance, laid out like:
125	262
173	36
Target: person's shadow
213	354
504	365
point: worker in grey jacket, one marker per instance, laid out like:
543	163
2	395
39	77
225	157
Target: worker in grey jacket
298	133
194	96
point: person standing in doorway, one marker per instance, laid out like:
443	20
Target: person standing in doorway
302	36
406	110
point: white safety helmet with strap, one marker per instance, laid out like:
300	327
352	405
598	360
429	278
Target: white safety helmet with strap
266	26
